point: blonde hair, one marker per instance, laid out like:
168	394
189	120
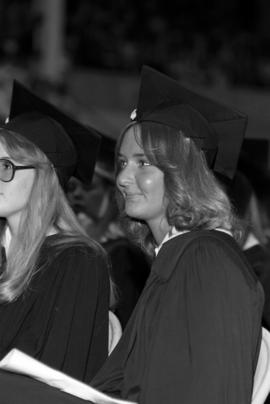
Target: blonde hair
195	198
47	207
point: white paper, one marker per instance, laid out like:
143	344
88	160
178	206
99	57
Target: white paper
18	362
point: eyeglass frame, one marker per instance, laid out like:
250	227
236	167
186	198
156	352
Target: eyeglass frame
15	168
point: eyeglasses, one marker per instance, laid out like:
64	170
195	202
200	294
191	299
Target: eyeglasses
8	169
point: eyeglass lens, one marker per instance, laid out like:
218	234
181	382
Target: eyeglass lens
6	170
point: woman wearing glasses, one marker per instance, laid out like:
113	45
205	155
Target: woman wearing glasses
54	286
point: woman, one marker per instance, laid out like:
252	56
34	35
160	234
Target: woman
195	333
54	288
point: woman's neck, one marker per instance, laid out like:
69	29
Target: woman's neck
159	230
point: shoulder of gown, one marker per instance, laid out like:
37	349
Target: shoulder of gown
62	319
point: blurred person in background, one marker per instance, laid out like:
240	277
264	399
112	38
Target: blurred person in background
263	195
246	205
254	164
97	211
54	283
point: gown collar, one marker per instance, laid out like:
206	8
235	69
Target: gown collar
173	232
167	259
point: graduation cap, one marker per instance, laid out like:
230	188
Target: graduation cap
71	147
216	129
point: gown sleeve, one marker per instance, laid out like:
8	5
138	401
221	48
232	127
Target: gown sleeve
203	349
71	312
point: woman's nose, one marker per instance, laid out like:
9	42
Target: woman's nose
125	177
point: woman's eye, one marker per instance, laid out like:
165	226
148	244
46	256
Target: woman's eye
121	164
143	163
5	165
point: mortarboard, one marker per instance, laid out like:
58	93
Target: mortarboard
71	147
216	129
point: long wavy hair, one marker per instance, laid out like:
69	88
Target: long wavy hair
47	207
196	199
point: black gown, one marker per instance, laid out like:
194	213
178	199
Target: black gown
129	270
62	319
194	336
259	258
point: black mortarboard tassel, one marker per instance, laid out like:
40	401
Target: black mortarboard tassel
215	128
71	147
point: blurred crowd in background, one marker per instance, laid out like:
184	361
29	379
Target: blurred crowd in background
205	40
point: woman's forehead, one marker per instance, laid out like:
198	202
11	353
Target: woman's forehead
131	141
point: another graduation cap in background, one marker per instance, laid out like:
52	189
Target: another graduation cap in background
71	147
105	160
216	129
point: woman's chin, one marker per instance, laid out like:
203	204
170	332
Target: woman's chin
134	213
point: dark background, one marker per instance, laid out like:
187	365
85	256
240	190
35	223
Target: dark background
231	38
90	63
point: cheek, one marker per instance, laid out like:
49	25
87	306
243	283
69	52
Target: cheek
153	185
17	198
14	196
146	183
22	190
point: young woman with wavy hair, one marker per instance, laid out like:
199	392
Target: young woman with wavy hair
195	334
195	198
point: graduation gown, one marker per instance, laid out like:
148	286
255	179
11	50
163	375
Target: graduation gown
194	336
62	318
